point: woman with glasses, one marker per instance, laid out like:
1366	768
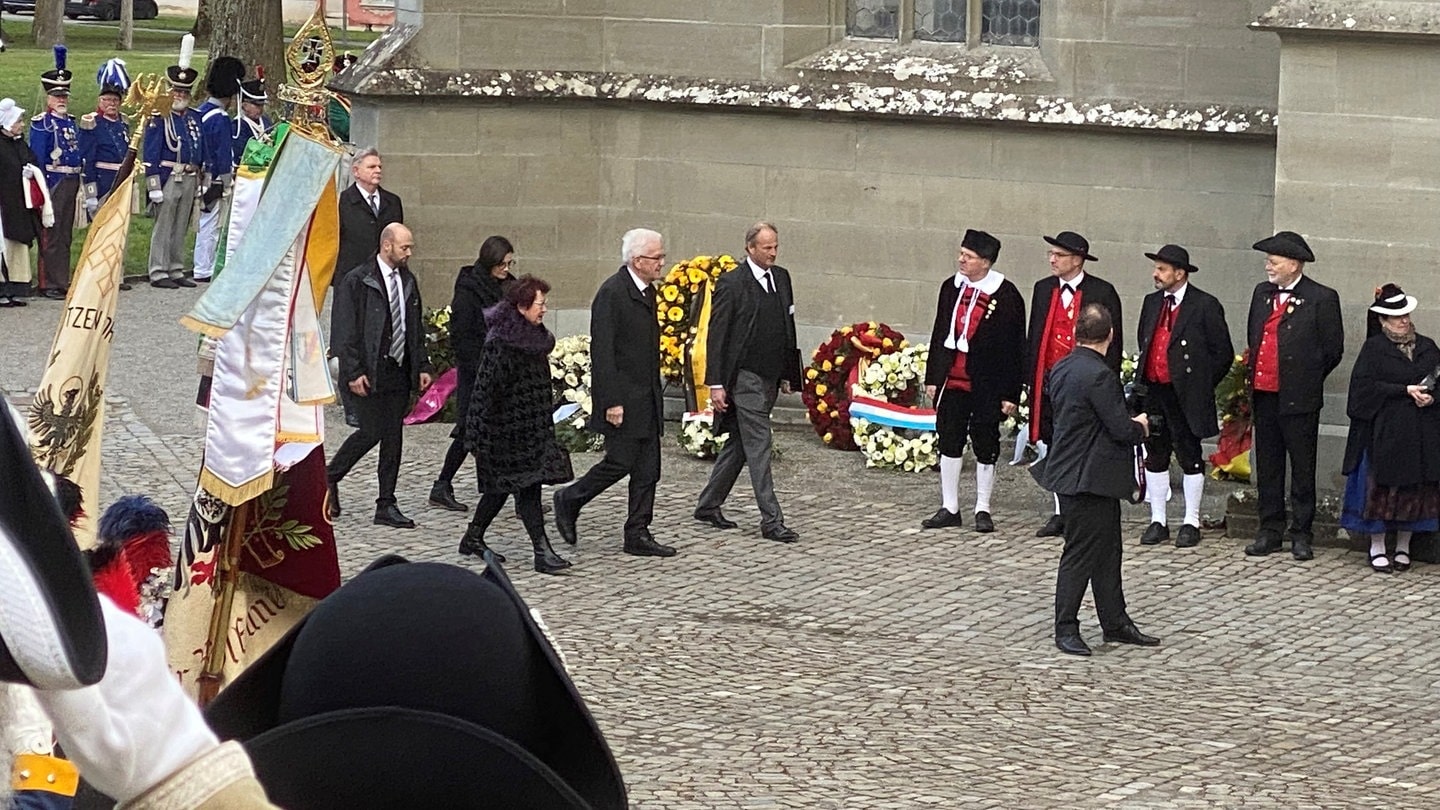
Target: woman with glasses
478	287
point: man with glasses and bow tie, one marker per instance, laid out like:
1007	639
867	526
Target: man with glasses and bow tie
1054	305
1296	338
1185	351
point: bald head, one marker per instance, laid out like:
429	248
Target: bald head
396	244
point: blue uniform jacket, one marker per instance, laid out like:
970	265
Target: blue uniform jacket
56	142
242	135
215	131
171	138
102	141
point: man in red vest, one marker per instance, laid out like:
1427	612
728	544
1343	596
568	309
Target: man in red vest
1054	305
1185	351
1296	339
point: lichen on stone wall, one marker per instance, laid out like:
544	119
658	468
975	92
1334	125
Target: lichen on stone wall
1394	17
915	64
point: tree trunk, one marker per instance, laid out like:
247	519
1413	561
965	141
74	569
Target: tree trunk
126	40
49	26
252	31
203	26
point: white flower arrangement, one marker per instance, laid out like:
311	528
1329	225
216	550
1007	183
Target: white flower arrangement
895	377
570	381
697	435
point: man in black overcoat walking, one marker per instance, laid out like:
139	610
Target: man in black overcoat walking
625	392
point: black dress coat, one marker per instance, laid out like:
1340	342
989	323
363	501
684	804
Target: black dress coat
509	423
1310	341
1093	290
21	224
998	342
1095	438
1200	353
360	228
625	358
1402	439
361	325
475	291
734	303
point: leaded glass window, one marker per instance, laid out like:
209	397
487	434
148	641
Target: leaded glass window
940	20
1000	22
878	19
1010	22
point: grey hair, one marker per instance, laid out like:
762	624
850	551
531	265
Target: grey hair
754	232
633	239
368	151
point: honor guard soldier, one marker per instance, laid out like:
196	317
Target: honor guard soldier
104	137
173	152
252	121
55	140
216	134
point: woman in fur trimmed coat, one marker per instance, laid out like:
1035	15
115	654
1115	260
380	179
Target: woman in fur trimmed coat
509	421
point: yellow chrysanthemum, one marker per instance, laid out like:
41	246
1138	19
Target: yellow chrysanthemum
821	406
812	373
702	263
825	366
670	292
696	275
675	314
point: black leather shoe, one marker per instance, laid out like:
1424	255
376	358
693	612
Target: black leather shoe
473	544
206	280
1300	548
392	516
1265	543
565	516
184	282
1187	537
54	295
1130	634
716	518
1155	534
442	494
942	519
332	503
164	284
1054	527
125	285
546	560
643	545
782	533
1072	645
983	523
17	301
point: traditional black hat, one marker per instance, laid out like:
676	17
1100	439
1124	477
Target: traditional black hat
253	91
985	245
1175	256
223	80
407	665
51	633
180	74
57	82
112	78
1072	242
1288	244
1391	300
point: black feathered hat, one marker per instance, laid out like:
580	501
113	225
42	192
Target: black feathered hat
57	82
223	80
1289	244
182	77
1175	256
406	665
1072	242
984	245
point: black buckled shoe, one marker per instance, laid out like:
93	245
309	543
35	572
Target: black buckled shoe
1187	537
1054	527
643	545
1266	542
1130	634
392	516
983	523
442	494
715	518
1155	534
565	516
942	519
1072	644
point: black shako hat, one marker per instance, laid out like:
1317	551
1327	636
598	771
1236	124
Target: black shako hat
224	77
984	245
419	685
1289	244
1072	242
51	633
1175	256
57	82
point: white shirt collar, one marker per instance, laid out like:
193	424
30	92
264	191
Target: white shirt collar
1180	293
1289	288
385	269
639	282
1074	282
988	283
759	274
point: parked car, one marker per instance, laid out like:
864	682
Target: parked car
102	9
19	6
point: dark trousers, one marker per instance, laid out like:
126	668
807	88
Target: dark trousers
527	505
1176	437
638	458
54	262
1091	557
960	414
455	456
1276	437
382	422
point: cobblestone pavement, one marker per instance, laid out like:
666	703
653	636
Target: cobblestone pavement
873	665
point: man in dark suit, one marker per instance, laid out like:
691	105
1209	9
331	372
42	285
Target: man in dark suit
625	392
1055	303
1091	467
1296	338
1185	351
751	357
380	339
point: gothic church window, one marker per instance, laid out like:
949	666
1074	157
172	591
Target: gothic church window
972	22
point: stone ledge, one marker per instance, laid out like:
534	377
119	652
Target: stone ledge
926	64
1401	18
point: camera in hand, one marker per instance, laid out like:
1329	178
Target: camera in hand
1135	393
1430	382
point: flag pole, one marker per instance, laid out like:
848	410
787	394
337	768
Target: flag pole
227	573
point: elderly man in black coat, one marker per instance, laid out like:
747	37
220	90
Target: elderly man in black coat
1185	351
1091	469
1296	339
625	392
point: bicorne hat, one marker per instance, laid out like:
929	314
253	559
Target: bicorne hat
57	82
1072	242
51	633
112	78
181	75
1391	300
1289	244
984	245
1175	256
409	665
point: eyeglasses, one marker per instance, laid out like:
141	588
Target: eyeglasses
1058	254
659	258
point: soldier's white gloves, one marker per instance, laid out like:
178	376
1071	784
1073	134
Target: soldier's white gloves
157	196
92	204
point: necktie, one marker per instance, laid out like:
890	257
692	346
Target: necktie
397	321
769	283
1169	310
375	203
1067	294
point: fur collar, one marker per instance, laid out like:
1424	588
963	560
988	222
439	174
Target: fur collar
505	324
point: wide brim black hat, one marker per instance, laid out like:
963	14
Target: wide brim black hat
1286	243
52	635
1175	256
1072	242
181	78
401	656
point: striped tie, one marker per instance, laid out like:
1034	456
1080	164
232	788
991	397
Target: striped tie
397	321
